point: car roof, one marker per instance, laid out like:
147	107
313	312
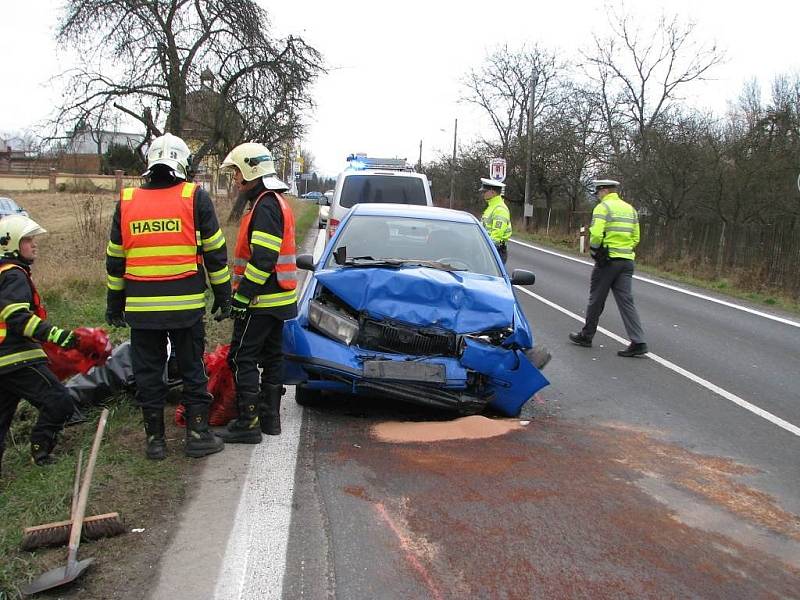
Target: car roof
380	209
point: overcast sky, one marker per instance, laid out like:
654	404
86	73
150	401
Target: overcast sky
395	67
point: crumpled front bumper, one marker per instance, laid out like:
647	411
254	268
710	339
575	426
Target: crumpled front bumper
484	374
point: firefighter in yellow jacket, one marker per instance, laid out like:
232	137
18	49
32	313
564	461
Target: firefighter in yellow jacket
165	240
23	328
614	235
264	285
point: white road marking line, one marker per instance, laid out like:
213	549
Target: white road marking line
680	370
674	288
255	557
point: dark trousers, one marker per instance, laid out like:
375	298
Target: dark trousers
257	341
503	250
149	359
616	275
38	385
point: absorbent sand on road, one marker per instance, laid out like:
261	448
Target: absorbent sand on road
475	428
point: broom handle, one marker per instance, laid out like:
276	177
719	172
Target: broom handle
83	497
76	487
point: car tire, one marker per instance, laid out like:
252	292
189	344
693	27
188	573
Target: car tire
307	397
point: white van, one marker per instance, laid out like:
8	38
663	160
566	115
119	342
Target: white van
385	180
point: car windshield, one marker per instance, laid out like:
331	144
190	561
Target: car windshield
361	189
407	241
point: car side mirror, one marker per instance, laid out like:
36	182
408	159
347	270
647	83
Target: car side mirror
323	201
305	261
522	277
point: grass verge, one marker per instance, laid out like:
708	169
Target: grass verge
677	273
147	494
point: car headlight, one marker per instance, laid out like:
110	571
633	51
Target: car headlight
333	323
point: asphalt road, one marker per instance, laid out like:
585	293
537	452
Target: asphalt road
675	475
671	476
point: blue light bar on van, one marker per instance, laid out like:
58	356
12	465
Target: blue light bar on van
361	161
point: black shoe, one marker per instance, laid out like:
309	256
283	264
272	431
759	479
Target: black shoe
269	408
154	431
245	429
580	340
199	440
634	350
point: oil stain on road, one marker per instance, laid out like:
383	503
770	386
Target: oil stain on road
563	509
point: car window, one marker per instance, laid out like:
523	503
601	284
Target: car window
461	245
361	189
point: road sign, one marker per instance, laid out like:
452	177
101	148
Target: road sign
497	169
306	176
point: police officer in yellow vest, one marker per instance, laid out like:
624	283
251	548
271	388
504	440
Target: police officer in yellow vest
496	217
165	240
23	327
614	234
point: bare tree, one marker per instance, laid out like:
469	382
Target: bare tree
639	74
503	85
146	59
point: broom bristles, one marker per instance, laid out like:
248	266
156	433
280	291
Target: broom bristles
57	534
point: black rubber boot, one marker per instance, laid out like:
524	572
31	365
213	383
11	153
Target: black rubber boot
269	408
41	453
199	440
245	428
154	430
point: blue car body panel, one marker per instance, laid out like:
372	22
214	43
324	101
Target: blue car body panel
460	302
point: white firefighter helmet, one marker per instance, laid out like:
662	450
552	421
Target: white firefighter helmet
254	160
12	229
491	184
172	151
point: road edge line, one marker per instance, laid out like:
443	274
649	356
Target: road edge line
756	410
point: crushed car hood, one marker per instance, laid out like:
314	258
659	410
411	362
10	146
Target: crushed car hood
459	301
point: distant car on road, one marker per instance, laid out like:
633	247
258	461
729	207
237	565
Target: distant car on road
413	303
315	196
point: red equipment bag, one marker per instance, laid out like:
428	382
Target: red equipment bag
220	386
93	350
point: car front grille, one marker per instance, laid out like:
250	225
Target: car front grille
404	339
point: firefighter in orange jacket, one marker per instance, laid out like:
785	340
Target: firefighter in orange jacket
23	327
264	284
165	239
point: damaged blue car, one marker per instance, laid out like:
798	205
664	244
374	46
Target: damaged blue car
413	303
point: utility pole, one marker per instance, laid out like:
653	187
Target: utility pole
528	204
453	165
419	162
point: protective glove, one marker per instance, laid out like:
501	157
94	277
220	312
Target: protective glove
238	308
116	319
224	312
64	338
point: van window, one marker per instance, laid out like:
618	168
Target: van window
362	189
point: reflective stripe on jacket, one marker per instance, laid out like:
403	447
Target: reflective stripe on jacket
159	238
285	269
615	224
496	220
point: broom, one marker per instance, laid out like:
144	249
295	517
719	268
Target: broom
57	534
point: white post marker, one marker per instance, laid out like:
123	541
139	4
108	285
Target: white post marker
583	240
